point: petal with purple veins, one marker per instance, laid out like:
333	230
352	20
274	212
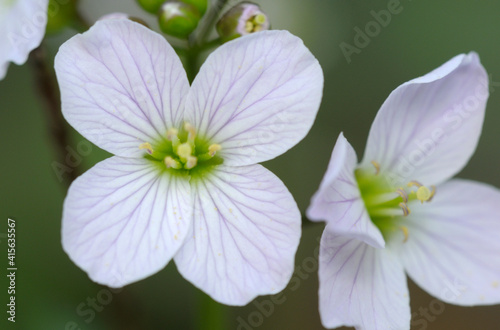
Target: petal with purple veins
123	220
121	85
244	236
256	96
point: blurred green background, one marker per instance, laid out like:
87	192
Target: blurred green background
52	293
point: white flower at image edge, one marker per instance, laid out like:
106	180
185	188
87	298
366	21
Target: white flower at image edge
184	182
398	211
22	27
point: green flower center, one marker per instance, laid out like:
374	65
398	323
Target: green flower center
183	152
387	204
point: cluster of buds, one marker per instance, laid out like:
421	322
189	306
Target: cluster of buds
179	18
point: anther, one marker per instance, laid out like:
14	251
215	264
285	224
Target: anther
191	131
184	150
191	162
171	163
423	194
172	134
377	167
147	146
401	192
405	208
212	150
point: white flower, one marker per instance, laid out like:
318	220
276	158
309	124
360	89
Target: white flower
185	183
22	27
398	211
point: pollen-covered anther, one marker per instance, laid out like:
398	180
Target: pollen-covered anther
377	167
147	146
423	194
172	134
191	131
213	148
405	208
184	150
191	162
171	163
401	192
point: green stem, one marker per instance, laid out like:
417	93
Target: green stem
212	315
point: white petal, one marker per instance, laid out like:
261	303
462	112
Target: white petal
244	236
338	200
428	128
22	27
453	248
256	96
121	85
361	286
123	220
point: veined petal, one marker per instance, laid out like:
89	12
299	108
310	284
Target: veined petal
361	286
256	96
428	128
123	220
244	236
338	200
121	85
453	247
22	27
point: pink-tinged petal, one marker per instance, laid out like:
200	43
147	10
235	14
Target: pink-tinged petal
256	96
22	27
123	220
121	85
428	128
453	247
338	200
361	286
244	236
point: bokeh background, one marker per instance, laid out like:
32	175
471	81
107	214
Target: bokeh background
52	293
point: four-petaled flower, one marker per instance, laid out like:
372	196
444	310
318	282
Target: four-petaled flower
22	27
185	183
397	210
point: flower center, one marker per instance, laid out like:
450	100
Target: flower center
255	23
183	151
387	204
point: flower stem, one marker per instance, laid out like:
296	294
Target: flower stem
212	314
47	89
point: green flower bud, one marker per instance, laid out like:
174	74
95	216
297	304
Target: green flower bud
178	19
242	19
201	5
152	6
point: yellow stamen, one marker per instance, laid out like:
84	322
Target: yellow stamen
171	163
184	150
414	183
172	134
191	130
423	194
191	162
405	208
401	192
147	146
377	167
405	232
212	150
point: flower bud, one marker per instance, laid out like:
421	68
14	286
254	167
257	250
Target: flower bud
242	19
178	19
152	6
201	5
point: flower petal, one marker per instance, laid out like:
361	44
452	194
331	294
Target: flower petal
123	220
428	128
338	200
22	27
244	237
121	85
361	286
453	247
256	96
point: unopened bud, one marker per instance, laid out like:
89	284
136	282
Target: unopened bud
242	19
178	19
152	6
